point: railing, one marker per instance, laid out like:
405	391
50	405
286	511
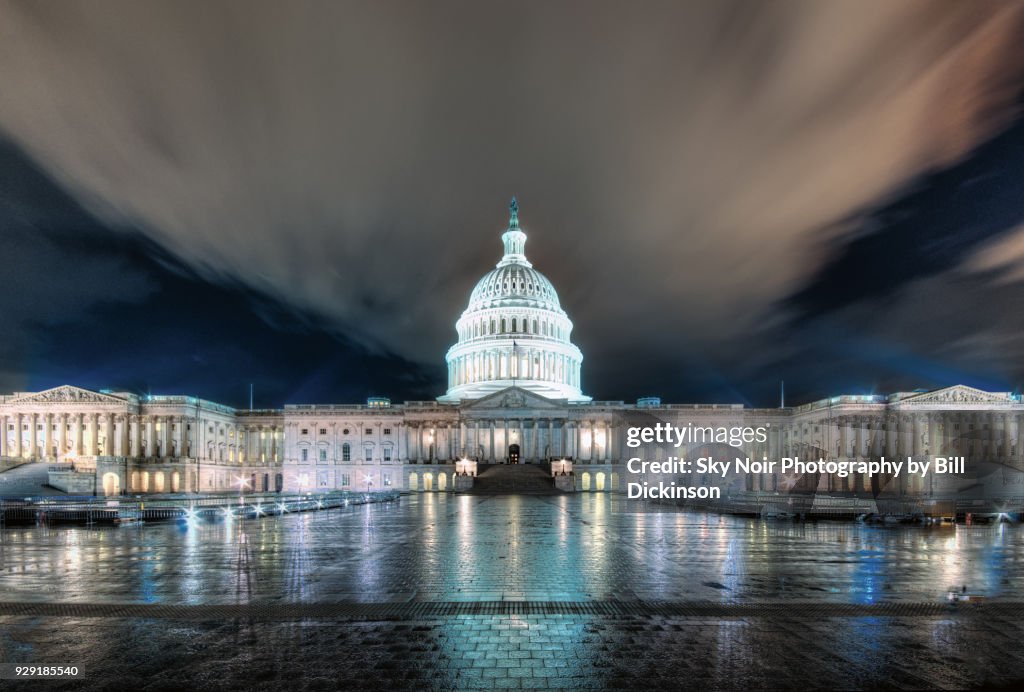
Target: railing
94	511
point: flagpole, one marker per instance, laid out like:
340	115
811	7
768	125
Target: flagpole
515	361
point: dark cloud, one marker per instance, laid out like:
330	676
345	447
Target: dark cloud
683	168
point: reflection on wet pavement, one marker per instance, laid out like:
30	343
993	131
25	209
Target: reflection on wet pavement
448	548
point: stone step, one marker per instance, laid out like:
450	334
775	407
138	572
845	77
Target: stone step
513	479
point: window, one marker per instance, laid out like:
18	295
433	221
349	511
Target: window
368	454
346	453
369	431
387	454
323	431
345	479
513	324
305	455
305	431
345	431
387	431
323	455
387	479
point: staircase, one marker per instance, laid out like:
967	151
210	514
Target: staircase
513	479
27	480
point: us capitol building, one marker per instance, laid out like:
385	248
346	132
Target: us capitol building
514	396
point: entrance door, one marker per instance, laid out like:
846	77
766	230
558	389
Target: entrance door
513	454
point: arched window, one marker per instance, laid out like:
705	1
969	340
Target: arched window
503	325
492	326
513	324
535	326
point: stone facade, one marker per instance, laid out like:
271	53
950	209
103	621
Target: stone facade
182	444
513	395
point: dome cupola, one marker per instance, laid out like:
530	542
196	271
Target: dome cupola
514	332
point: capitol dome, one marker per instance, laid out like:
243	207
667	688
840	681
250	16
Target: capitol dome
514	332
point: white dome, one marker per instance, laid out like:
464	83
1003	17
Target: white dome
514	283
514	332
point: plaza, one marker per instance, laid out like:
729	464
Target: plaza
442	591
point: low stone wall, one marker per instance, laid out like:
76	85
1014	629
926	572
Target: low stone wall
73	483
566	483
7	463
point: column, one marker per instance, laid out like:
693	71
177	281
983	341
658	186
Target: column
62	435
136	437
933	433
78	434
577	450
185	450
551	437
18	447
94	434
33	438
47	435
3	436
490	428
891	432
108	435
166	445
117	446
505	443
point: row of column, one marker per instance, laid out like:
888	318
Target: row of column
127	435
527	364
990	434
489	440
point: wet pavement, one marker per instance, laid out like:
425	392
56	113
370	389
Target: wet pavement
444	591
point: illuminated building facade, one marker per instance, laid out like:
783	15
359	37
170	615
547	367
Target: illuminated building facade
514	396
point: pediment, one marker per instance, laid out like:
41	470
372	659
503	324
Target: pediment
959	394
514	398
67	394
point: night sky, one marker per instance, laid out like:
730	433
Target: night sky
197	196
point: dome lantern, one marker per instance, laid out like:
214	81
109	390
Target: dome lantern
513	238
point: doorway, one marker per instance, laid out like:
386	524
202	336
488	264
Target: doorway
513	454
